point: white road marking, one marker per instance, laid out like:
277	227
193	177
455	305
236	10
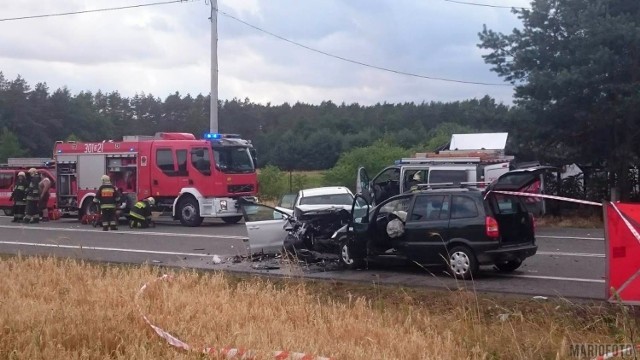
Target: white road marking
139	251
555	253
141	233
80	247
569	237
598	281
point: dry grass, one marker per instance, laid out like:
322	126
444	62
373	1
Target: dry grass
53	309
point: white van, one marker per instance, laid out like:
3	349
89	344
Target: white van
408	173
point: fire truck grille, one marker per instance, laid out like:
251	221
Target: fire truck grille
233	189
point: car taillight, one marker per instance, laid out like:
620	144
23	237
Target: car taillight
491	227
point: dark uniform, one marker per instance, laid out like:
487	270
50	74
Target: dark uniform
33	198
140	214
18	197
108	197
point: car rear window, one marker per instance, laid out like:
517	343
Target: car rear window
463	207
505	204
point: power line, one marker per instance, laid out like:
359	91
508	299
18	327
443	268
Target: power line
486	5
355	61
268	33
95	10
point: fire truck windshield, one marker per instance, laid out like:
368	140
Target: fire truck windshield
233	159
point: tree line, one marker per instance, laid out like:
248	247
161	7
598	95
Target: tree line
298	137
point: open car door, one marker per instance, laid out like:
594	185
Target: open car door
363	184
518	180
265	227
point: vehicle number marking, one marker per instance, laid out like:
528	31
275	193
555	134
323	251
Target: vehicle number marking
94	148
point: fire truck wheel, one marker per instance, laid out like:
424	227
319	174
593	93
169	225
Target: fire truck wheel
190	212
232	219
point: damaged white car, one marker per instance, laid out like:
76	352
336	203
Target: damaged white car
316	215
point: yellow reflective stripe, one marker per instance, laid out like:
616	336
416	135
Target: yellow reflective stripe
137	216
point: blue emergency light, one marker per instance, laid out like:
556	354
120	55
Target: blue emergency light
212	136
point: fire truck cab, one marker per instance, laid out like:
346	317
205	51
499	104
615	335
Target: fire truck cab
189	178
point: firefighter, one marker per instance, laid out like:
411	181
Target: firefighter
32	215
18	197
44	186
107	196
141	213
415	181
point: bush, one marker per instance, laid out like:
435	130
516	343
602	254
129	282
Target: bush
373	158
271	184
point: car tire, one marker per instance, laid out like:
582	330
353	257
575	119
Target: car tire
347	258
189	212
462	263
508	266
232	219
8	212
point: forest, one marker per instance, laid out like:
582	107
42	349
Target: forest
291	136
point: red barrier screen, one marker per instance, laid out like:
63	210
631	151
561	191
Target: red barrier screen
622	233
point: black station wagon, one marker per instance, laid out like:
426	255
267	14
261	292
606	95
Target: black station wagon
462	228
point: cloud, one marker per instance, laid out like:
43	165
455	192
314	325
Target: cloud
163	49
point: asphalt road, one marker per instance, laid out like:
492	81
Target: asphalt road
570	262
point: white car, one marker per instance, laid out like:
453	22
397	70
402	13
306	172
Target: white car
266	228
320	198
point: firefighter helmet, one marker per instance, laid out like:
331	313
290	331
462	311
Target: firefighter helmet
105	179
21	173
151	201
33	171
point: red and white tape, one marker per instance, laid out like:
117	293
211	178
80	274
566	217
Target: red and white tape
626	222
225	352
630	350
544	196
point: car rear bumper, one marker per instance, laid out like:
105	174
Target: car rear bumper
520	252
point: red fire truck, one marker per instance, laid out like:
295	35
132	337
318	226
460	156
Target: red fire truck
9	175
189	178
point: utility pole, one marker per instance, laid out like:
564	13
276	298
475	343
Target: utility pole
213	118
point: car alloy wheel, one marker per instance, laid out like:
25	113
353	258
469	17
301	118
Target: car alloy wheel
462	263
346	258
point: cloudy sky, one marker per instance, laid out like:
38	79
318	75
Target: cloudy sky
166	48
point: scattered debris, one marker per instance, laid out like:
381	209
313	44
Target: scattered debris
265	267
538	297
216	259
